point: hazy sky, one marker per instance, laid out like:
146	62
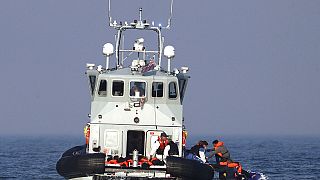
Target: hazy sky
255	65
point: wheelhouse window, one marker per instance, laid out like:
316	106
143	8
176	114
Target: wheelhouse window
102	88
137	89
92	80
172	90
117	88
157	89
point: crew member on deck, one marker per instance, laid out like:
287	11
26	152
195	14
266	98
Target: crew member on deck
171	149
158	147
86	131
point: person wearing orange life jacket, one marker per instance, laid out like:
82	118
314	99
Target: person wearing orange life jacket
220	152
226	167
158	147
222	158
86	131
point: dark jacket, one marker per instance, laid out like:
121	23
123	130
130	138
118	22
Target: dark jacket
174	150
195	150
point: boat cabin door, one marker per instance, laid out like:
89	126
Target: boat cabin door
135	141
157	96
166	105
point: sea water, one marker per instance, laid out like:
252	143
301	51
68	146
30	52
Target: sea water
282	157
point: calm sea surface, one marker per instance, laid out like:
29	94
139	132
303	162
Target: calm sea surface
276	157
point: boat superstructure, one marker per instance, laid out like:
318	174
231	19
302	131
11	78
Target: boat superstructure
131	105
133	100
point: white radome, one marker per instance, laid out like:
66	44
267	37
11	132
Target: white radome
169	52
108	49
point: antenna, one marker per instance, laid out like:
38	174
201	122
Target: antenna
170	17
140	14
109	13
114	24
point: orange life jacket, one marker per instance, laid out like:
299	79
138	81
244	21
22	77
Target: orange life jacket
124	163
145	160
163	144
184	138
130	161
236	165
224	163
87	134
113	161
219	144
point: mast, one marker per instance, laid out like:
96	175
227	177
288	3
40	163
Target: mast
137	25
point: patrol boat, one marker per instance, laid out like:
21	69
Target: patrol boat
131	105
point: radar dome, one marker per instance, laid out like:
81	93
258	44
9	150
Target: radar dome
169	52
108	49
